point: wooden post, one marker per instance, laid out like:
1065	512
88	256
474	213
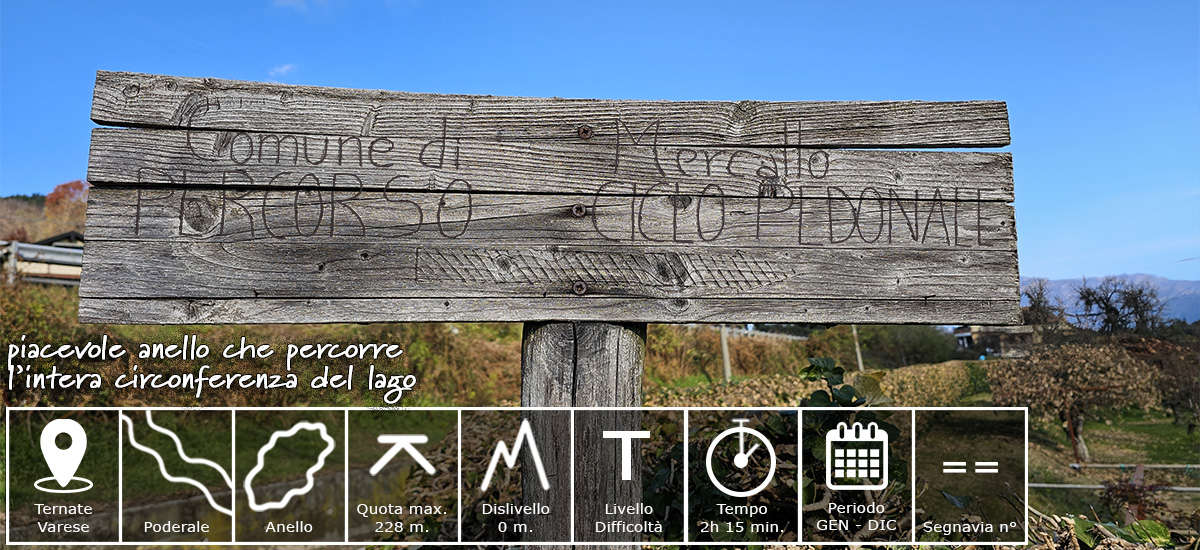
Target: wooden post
725	352
447	208
10	264
857	349
1133	512
584	364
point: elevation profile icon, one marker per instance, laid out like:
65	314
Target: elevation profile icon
525	434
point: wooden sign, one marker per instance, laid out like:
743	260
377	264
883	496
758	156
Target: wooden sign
221	201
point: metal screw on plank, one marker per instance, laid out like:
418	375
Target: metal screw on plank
579	210
580	288
585	132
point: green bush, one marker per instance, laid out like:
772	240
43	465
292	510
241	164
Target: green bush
977	375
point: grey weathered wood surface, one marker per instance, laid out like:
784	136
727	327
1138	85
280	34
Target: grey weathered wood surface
211	210
830	219
224	159
132	99
382	270
932	311
585	364
567	364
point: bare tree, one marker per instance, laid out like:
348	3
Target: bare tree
1041	310
1143	306
1118	304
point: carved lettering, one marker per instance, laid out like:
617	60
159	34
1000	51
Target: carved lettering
687	205
433	153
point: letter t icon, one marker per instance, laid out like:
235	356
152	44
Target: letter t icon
626	449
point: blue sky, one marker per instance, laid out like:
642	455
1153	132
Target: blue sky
1103	97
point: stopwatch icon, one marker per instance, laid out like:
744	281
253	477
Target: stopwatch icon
742	458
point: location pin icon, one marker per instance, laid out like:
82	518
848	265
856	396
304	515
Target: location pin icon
63	462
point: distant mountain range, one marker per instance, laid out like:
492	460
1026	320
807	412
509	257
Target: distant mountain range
1182	298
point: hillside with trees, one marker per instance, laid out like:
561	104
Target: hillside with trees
31	218
1180	299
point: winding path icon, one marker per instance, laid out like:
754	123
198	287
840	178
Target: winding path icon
190	460
318	427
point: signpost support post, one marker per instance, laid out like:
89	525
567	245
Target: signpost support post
584	364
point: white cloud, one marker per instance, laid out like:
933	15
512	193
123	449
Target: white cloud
282	69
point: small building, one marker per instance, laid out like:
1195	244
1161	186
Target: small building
70	239
55	260
997	341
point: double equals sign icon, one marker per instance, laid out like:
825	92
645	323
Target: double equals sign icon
961	467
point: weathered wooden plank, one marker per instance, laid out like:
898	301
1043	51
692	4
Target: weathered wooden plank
199	158
999	311
131	99
627	211
828	217
114	269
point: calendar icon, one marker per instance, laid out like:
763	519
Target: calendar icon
856	457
